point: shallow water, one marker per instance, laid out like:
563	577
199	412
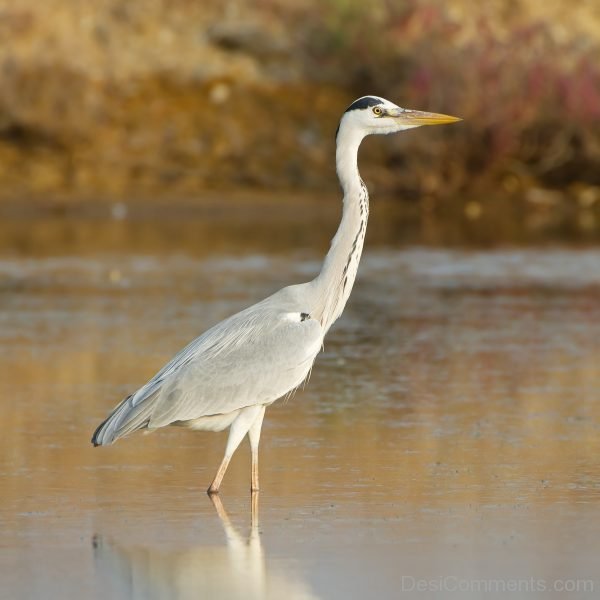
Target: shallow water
448	440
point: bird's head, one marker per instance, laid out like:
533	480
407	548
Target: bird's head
372	115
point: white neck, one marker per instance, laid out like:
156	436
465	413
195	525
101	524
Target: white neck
334	283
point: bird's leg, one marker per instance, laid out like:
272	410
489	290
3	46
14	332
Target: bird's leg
214	486
254	437
239	428
254	515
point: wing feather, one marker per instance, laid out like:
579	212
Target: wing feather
254	360
253	357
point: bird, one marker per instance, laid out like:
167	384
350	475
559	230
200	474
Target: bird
230	374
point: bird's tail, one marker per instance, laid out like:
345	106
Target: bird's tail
126	418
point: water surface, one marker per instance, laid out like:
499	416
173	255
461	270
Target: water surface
449	436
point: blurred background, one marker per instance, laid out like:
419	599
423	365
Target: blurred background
131	101
165	163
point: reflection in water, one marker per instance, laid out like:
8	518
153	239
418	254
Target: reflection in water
238	570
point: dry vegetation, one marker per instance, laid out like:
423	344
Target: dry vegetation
129	99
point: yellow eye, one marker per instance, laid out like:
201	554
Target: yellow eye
377	111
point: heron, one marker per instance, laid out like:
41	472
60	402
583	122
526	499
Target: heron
230	374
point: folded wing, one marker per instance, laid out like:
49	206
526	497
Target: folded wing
254	357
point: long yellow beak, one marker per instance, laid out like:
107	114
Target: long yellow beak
419	117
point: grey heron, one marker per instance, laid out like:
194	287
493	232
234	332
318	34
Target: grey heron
229	375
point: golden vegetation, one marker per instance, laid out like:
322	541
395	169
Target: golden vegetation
134	99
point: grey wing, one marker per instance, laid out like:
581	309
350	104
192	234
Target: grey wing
264	357
253	357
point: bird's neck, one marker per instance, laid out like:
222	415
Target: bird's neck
334	283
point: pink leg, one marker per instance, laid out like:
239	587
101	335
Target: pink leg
239	428
254	437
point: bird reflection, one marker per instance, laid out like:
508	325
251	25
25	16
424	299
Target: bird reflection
236	570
